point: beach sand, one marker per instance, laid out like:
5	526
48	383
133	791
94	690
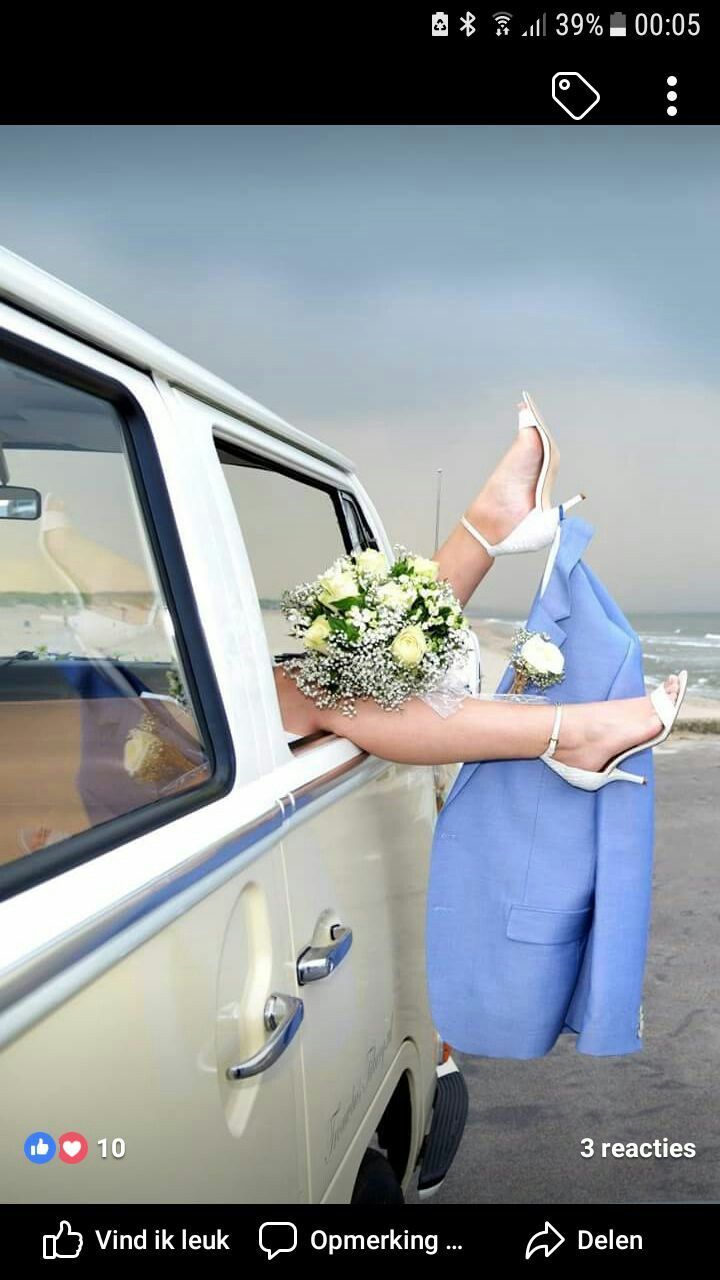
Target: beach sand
698	715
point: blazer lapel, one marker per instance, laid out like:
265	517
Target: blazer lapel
546	614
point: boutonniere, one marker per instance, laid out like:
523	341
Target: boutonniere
150	757
535	660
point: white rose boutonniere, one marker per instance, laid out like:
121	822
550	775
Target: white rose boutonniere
150	757
535	660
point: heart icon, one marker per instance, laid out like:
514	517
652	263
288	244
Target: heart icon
72	1147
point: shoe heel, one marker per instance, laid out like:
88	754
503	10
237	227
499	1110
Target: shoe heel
571	502
621	775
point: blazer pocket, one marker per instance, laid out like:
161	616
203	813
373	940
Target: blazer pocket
536	924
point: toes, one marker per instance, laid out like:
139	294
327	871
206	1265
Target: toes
672	687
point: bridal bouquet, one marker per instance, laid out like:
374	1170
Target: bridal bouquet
374	630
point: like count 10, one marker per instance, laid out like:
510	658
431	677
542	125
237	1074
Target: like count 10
71	1147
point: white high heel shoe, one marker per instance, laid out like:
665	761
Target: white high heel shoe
539	526
667	711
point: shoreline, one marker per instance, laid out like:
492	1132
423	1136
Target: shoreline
698	715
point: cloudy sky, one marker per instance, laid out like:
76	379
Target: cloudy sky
391	290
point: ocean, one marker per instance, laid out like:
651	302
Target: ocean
670	641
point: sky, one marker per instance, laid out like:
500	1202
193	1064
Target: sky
392	290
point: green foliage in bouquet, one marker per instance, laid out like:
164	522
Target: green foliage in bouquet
374	630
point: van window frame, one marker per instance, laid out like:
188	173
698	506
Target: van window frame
241	455
164	545
344	501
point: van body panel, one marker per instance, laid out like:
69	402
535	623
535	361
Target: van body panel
140	1053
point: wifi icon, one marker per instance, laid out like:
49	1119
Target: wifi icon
502	21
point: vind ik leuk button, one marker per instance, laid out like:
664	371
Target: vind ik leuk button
574	94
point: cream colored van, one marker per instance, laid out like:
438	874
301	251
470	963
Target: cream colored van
211	933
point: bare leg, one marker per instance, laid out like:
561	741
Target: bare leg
113	584
592	732
500	505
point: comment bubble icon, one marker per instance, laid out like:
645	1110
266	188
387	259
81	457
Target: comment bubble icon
277	1237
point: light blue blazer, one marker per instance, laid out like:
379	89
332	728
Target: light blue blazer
539	895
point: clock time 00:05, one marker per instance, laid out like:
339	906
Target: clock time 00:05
656	24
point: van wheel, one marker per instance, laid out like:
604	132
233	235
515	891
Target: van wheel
376	1182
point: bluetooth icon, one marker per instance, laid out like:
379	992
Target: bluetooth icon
467	24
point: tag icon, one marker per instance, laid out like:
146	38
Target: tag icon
576	95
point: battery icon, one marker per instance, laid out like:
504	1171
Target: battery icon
618	24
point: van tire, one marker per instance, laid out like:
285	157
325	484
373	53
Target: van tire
376	1182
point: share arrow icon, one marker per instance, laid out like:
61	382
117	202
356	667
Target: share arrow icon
549	1240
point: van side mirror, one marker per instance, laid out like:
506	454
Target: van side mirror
19	504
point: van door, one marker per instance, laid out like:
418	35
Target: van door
148	998
357	836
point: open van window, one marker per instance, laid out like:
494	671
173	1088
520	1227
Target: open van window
293	527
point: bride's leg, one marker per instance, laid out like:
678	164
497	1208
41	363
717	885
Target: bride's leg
484	730
500	505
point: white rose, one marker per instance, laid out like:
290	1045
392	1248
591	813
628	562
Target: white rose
543	656
409	647
396	595
316	636
336	586
372	563
423	568
140	748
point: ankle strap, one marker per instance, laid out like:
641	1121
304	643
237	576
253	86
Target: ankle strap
477	535
554	737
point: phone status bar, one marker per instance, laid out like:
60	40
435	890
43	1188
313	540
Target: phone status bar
586	23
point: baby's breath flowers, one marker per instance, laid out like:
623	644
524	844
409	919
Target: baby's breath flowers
374	630
535	660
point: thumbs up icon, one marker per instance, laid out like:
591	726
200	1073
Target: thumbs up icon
66	1244
39	1147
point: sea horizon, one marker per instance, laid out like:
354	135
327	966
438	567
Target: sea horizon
671	640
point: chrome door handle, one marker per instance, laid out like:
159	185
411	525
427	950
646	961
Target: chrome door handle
282	1016
319	962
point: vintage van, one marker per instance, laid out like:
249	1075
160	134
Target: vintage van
211	932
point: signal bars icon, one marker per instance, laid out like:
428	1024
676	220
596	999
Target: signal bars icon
538	28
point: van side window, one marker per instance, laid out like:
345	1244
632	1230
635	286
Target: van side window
293	528
95	717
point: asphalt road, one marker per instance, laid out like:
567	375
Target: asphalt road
522	1144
